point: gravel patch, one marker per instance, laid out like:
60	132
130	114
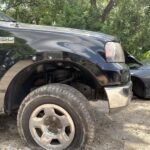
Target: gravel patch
126	130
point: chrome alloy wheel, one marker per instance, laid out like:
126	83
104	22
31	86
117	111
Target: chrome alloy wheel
52	127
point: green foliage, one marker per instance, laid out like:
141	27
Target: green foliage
146	55
131	24
128	20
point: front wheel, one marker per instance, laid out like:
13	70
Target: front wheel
56	117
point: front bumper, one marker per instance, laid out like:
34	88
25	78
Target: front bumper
119	96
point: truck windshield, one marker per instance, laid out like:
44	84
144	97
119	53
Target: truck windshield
4	17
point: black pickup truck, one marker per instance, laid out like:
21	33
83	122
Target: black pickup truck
49	74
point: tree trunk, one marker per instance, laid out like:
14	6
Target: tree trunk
93	3
108	9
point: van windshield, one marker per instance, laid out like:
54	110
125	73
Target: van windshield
4	17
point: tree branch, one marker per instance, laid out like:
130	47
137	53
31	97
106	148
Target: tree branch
93	3
108	9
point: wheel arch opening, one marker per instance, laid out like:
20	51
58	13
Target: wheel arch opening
44	72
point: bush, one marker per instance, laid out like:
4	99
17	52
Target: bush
146	55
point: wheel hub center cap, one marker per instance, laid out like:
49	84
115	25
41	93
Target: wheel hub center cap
53	124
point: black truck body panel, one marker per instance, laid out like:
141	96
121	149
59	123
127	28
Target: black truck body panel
82	47
48	75
25	51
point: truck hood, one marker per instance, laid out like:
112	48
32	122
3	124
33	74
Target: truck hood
100	36
143	71
145	65
88	44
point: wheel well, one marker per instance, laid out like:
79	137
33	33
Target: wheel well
42	73
138	87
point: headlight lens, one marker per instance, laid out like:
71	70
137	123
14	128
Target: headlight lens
114	52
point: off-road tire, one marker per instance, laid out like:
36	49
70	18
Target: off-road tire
68	98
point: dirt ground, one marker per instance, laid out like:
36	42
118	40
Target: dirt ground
126	130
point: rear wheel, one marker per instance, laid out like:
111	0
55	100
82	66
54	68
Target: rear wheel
56	117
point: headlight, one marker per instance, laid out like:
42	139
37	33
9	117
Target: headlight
114	52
